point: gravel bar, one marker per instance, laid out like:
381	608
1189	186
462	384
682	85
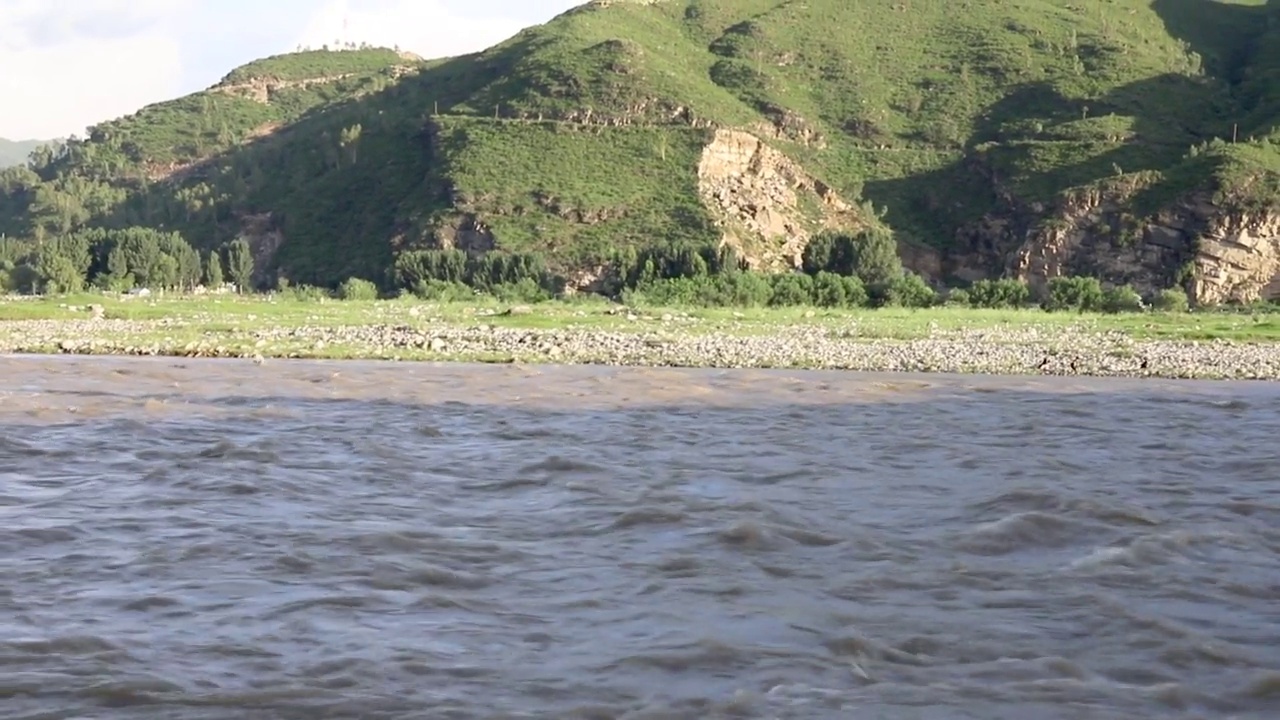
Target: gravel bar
987	350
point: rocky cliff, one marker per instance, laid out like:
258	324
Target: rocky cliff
1216	253
767	206
1238	257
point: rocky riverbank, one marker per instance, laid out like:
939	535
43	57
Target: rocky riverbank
666	343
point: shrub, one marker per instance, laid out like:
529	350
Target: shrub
23	279
743	289
855	292
829	290
1120	299
305	293
526	290
673	292
791	289
443	291
959	297
909	291
357	289
1173	300
735	289
1005	293
1081	294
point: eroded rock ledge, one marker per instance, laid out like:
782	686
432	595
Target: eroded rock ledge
758	195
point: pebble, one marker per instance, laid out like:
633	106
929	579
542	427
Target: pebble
991	351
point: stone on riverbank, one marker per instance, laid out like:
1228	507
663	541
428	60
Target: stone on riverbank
989	351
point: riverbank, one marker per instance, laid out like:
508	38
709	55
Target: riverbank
1210	346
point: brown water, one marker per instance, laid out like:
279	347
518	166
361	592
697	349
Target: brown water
218	539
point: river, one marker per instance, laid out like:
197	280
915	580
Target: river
198	539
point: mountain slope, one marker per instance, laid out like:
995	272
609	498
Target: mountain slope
1024	137
16	152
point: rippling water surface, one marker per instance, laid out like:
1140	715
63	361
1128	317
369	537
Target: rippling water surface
215	539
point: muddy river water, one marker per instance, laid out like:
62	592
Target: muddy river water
217	539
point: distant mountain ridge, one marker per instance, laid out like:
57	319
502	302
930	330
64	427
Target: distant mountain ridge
15	152
1134	140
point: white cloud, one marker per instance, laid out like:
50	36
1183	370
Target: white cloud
72	63
425	27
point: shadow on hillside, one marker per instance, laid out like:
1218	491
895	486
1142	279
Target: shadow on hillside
1169	113
1217	31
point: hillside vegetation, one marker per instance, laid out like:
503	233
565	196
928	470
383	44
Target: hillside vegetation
581	139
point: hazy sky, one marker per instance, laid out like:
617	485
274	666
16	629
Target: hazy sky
67	64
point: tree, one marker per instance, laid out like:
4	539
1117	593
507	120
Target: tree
134	252
349	139
819	255
871	255
152	258
56	273
1081	294
875	258
164	273
186	259
240	263
213	277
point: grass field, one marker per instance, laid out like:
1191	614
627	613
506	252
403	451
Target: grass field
239	314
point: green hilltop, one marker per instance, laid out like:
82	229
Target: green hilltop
628	124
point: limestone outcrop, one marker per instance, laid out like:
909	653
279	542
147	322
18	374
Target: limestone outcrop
767	205
1218	254
1238	259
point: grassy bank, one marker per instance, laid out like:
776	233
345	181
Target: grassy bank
232	314
1219	345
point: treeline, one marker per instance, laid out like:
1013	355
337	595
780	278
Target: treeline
837	271
451	274
119	260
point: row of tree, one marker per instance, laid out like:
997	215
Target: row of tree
871	256
838	270
119	260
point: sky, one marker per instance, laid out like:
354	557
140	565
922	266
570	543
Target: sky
69	64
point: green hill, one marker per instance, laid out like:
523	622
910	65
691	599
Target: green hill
1007	137
15	152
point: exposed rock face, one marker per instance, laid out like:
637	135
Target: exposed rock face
1090	234
1231	256
592	279
758	194
467	233
262	232
786	125
261	89
1238	259
922	260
